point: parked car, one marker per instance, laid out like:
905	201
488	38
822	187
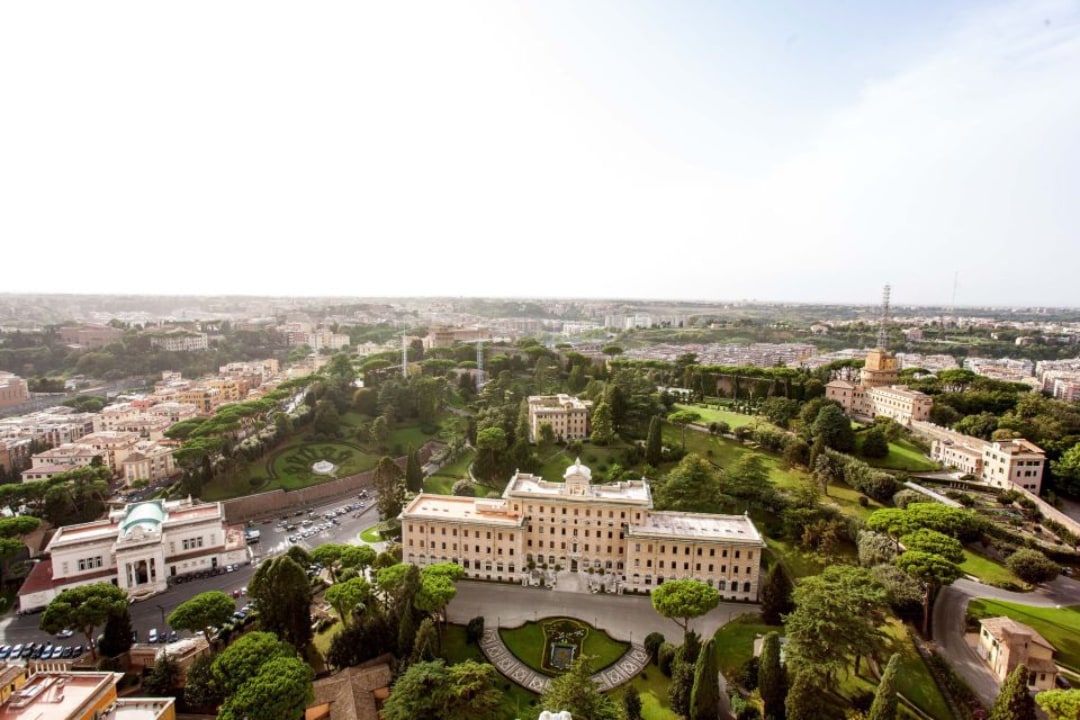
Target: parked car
5	650
69	652
173	636
66	633
77	652
57	652
152	636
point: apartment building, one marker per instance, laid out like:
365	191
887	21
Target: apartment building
576	525
112	447
1002	464
148	462
136	548
52	426
13	390
82	695
180	340
567	415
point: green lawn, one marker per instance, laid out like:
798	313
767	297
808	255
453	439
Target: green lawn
715	413
914	680
517	701
442	482
797	563
652	685
554	459
734	642
990	572
1060	626
903	455
371	535
527	645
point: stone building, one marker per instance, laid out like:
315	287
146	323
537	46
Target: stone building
567	415
877	394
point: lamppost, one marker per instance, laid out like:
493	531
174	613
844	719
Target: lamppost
162	609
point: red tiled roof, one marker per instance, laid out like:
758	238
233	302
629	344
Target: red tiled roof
40	578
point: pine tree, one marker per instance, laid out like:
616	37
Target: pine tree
776	595
805	699
426	643
117	635
771	678
414	473
1014	702
705	695
602	430
575	692
654	444
682	685
631	702
885	701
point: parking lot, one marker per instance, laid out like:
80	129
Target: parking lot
343	526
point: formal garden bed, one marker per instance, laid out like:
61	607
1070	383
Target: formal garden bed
550	645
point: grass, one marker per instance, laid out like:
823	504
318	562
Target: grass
322	640
652	686
442	481
517	701
1060	626
903	455
797	563
554	460
527	645
990	572
711	414
734	642
371	535
913	678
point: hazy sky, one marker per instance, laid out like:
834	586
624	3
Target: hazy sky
710	150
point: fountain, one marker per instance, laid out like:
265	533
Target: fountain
323	467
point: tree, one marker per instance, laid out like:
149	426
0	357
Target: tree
874	548
408	625
201	690
437	588
690	486
1014	702
282	592
885	700
327	421
684	600
837	614
771	683
389	484
776	595
682	683
379	431
574	691
162	678
490	444
245	658
705	697
282	689
463	488
1032	566
11	530
202	612
834	429
805	700
414	474
426	643
1060	704
631	701
346	596
652	644
748	479
682	418
116	638
464	691
603	432
932	541
654	443
875	444
83	608
934	571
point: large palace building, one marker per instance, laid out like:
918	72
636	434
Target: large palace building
136	548
878	395
577	526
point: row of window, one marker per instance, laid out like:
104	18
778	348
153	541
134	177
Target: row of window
686	551
697	566
588	512
465	548
192	543
90	563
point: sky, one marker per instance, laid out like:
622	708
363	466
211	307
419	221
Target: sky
776	150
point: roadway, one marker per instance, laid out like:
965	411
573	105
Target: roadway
151	613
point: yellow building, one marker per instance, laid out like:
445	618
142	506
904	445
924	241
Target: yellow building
1005	644
568	416
878	395
577	526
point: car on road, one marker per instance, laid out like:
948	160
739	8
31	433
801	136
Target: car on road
152	636
173	636
5	650
77	652
57	652
16	650
65	633
68	652
236	593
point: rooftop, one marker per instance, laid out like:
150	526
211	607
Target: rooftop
525	485
51	695
450	507
139	709
698	525
1001	628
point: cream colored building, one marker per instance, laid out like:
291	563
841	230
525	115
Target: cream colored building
1005	644
1001	464
877	395
567	415
13	390
180	340
68	695
112	447
136	548
148	462
576	525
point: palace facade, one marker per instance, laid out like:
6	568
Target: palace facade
580	526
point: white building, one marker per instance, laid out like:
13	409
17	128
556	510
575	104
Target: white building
567	415
180	341
136	548
1000	464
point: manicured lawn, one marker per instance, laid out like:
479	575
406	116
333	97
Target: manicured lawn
442	482
903	455
291	467
714	413
797	563
527	645
371	535
990	572
439	484
914	680
322	640
1060	626
456	649
734	642
652	685
517	701
554	459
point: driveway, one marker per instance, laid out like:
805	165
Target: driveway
950	611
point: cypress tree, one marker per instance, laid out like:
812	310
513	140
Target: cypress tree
602	430
414	474
705	695
682	684
805	699
1014	702
407	629
654	443
771	678
776	595
884	706
631	702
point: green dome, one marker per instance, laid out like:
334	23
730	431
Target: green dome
148	514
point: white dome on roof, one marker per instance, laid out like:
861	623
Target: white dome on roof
577	469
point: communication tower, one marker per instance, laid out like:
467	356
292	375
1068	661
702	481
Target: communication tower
883	328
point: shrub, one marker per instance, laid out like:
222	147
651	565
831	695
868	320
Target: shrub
1032	566
474	630
748	674
464	488
653	642
864	501
665	657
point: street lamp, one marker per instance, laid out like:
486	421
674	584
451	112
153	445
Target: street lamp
162	609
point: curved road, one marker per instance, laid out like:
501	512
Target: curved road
949	615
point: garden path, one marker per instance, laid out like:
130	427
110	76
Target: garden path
621	671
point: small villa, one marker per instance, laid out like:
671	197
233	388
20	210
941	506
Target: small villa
1005	643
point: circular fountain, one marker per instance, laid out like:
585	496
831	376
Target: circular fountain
323	467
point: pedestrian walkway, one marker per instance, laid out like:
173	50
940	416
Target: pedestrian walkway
623	670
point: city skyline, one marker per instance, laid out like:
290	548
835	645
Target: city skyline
691	151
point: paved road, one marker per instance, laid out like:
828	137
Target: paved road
150	613
949	613
624	617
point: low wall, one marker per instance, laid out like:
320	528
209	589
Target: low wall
1049	511
260	505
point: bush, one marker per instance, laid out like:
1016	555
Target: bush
748	674
905	497
653	642
1032	566
474	630
464	488
665	657
864	501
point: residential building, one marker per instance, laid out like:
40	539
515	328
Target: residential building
877	395
90	337
136	548
568	416
67	695
13	390
1002	464
1005	644
444	336
52	426
148	462
179	340
576	525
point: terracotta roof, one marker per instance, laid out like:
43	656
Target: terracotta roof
1041	665
351	692
841	384
40	578
1001	628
